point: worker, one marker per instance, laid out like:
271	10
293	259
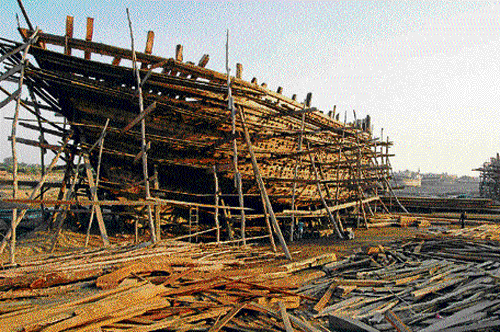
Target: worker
300	230
462	219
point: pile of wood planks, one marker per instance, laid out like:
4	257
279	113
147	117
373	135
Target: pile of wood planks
172	286
419	284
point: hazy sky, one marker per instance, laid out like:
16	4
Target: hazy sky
427	72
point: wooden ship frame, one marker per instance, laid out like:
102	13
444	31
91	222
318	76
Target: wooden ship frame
145	133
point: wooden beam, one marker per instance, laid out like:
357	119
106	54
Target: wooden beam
323	212
88	36
203	61
141	116
149	42
239	70
178	53
69	34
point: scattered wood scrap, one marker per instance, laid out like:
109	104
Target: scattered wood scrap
421	285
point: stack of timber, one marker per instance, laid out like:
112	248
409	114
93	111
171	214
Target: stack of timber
483	232
440	204
172	286
298	149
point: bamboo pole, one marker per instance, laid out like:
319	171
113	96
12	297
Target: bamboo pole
262	187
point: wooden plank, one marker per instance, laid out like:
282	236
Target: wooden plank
203	61
325	298
88	36
459	317
239	70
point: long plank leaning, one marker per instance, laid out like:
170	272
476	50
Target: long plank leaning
262	187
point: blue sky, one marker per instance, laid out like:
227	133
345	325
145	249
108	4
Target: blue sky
427	72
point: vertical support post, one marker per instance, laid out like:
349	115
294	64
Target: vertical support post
262	187
88	36
387	154
136	230
69	34
143	132
216	214
190	224
298	161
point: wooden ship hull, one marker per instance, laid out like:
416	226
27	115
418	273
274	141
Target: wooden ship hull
302	154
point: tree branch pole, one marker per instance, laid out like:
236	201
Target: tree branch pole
298	161
262	187
30	26
15	188
237	174
216	215
330	215
143	131
101	146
